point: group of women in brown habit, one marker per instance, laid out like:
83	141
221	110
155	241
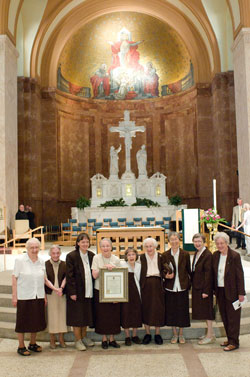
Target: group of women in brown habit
159	287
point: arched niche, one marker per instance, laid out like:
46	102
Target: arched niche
44	68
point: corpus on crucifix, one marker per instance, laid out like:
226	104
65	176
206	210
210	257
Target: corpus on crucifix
127	129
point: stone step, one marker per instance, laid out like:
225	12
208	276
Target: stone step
197	329
5	300
5	288
8	314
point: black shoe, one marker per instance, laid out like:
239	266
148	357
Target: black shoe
237	247
114	344
128	341
136	340
243	248
158	339
35	348
23	351
105	345
147	339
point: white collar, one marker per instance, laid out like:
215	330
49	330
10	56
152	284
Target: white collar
176	254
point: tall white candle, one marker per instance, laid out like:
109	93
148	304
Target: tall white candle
214	195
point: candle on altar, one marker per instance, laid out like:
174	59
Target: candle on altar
214	195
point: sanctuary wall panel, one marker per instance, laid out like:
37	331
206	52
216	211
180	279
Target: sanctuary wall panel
64	140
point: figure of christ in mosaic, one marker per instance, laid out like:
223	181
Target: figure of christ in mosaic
124	52
125	78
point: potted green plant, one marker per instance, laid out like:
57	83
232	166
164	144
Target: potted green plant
83	202
175	200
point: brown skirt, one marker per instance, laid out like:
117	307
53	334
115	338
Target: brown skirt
153	302
202	308
107	317
80	313
177	309
131	313
30	316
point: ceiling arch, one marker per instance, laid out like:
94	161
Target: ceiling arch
196	34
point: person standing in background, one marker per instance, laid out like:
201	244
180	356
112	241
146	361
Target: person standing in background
21	214
237	219
246	225
30	216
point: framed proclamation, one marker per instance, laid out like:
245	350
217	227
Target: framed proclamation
113	285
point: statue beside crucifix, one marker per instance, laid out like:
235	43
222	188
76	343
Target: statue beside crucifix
128	186
127	129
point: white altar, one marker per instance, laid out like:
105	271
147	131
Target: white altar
128	186
126	212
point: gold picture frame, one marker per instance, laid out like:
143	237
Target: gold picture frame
113	285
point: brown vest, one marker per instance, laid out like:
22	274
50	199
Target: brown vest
51	275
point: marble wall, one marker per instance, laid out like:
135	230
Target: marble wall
8	128
64	141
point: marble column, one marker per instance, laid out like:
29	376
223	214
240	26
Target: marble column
241	56
8	128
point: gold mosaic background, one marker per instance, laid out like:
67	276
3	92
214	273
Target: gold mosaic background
88	48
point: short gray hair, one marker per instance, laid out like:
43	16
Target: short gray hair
199	235
174	234
150	239
222	235
54	247
106	239
246	206
31	241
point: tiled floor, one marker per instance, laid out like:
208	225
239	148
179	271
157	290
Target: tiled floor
187	360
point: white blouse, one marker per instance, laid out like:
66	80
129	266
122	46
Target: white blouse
99	261
136	271
30	278
198	256
88	276
221	270
177	284
153	269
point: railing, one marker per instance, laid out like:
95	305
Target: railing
29	234
234	230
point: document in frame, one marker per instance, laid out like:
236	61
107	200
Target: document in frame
114	285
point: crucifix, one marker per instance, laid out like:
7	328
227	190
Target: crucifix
127	129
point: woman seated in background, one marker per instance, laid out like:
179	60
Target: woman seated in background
107	314
80	291
131	314
229	287
54	288
177	285
152	293
202	287
28	295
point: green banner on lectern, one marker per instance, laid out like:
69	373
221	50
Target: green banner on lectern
190	226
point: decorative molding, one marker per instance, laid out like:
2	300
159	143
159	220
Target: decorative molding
243	34
47	50
6	42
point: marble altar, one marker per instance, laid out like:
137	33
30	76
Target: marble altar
128	186
128	212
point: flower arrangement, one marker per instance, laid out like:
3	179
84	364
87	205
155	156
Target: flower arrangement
210	216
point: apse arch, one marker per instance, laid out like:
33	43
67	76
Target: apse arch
205	63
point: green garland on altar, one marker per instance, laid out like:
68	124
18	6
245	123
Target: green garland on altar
114	203
145	202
